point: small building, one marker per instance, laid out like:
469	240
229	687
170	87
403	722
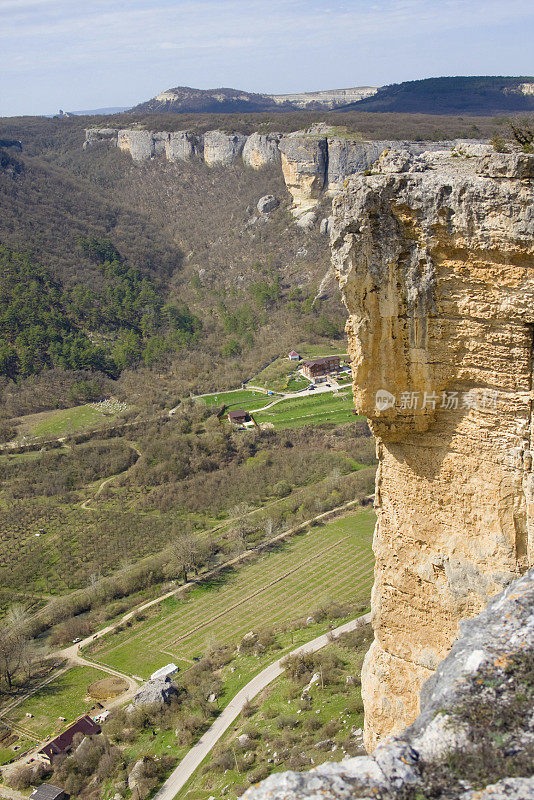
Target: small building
165	672
239	417
46	791
63	743
319	368
293	356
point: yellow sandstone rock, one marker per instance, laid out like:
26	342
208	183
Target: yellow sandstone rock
435	260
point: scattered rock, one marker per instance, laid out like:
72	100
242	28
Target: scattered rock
267	203
154	692
326	226
136	773
306	221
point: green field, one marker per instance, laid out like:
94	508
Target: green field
329	562
66	696
62	422
247	398
309	410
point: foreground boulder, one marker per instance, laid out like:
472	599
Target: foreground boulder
474	738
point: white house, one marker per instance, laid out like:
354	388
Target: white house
165	672
294	356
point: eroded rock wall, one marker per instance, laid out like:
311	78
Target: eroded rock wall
435	260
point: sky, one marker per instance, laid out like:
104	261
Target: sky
86	54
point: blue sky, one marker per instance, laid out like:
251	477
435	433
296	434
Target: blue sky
82	54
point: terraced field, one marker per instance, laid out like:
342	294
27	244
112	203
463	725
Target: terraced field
331	562
309	410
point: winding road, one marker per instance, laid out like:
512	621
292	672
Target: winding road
194	758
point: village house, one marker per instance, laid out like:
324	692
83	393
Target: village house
46	791
239	417
64	742
294	356
318	368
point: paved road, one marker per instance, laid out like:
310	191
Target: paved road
73	652
205	744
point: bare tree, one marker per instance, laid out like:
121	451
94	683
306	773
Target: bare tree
523	133
188	553
16	651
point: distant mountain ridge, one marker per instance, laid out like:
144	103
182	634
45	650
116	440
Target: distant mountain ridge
185	99
474	95
478	95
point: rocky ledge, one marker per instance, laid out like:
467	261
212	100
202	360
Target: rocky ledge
474	737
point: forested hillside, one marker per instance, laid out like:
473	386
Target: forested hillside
124	321
196	286
454	95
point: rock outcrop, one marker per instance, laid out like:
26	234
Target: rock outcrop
304	160
222	148
315	162
261	149
267	203
156	691
141	145
474	738
435	259
330	98
182	146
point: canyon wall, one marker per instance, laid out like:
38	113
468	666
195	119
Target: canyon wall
315	163
435	259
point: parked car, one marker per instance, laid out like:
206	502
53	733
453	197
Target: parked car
76	640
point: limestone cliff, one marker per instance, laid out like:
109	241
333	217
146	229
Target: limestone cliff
474	738
315	162
435	259
222	148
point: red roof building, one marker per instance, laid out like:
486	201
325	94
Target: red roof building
63	743
320	367
293	356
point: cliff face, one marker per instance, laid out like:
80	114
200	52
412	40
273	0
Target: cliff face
474	738
314	163
435	259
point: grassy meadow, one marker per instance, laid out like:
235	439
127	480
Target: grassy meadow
332	562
